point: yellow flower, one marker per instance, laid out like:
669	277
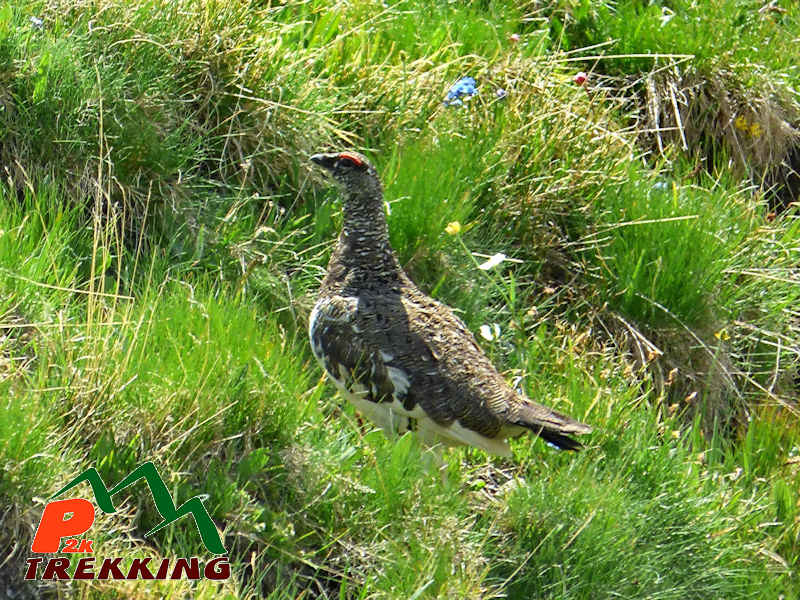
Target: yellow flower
741	123
756	130
453	228
722	334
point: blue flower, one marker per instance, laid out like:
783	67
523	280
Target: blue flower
464	87
501	93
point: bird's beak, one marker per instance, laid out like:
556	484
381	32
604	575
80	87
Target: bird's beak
326	161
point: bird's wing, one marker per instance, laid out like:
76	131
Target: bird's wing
481	394
351	346
374	345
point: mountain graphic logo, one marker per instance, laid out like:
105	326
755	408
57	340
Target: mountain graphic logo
74	516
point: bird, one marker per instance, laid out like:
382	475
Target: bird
403	359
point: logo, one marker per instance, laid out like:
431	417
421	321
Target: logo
66	520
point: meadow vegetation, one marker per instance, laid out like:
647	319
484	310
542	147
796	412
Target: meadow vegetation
162	235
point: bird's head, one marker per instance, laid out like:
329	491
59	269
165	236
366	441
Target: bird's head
352	170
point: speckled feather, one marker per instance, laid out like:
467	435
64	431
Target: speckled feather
400	356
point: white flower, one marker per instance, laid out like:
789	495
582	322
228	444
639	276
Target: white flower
492	262
490	332
37	23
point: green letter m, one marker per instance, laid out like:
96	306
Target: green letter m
161	497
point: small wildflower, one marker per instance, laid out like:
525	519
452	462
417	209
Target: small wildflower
453	228
513	38
463	88
37	23
580	78
501	93
492	262
722	335
660	186
756	130
490	332
676	434
741	123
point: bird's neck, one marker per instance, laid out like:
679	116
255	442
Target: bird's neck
363	254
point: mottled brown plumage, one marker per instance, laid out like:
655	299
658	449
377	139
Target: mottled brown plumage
405	360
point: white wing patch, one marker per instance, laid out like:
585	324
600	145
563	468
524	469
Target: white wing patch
316	349
400	382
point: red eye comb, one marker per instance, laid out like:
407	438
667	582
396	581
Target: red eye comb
352	157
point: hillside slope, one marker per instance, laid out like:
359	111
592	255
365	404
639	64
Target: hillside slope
162	235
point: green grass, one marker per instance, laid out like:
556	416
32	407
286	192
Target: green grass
162	235
717	34
697	233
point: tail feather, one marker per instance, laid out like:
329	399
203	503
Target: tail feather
563	442
552	426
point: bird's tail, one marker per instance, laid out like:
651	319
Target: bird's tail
552	426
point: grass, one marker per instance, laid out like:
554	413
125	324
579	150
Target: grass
730	102
699	228
756	39
162	236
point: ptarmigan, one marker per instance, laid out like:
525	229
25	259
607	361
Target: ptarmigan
404	360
